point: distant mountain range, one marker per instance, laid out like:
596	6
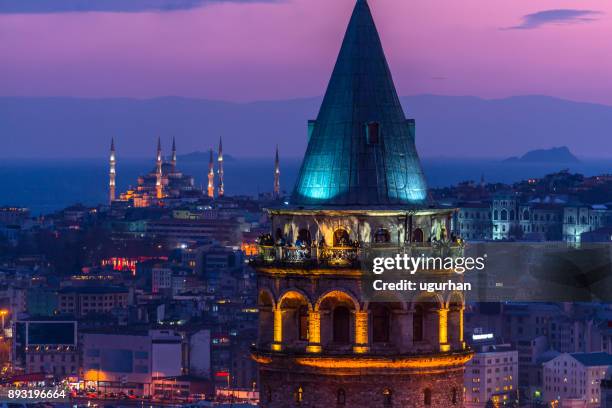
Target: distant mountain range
560	155
446	126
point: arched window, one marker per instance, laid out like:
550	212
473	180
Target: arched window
341	397
427	396
454	396
380	323
382	235
303	323
417	235
525	215
341	238
504	215
299	394
387	398
418	323
342	325
511	215
495	215
303	237
268	393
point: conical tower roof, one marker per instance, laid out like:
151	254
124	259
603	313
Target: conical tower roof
361	150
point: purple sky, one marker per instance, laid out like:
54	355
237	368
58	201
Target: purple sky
250	50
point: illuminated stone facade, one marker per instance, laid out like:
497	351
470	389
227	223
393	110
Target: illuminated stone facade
360	193
318	332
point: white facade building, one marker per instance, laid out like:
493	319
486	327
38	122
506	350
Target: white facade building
491	375
576	376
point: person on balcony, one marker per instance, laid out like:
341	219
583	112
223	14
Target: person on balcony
322	242
266	240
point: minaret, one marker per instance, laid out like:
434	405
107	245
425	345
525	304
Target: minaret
220	170
211	176
276	176
173	160
112	173
158	171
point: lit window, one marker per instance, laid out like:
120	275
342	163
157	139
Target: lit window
299	394
387	398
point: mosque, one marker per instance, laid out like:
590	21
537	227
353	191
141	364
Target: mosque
323	341
165	181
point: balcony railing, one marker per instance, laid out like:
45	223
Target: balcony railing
339	255
266	253
343	256
296	254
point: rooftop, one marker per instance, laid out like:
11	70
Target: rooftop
593	359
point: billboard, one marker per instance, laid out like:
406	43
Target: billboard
46	333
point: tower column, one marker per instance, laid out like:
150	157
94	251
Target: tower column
455	327
278	329
443	329
314	332
361	332
461	323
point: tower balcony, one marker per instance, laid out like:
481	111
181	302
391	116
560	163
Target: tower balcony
349	256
